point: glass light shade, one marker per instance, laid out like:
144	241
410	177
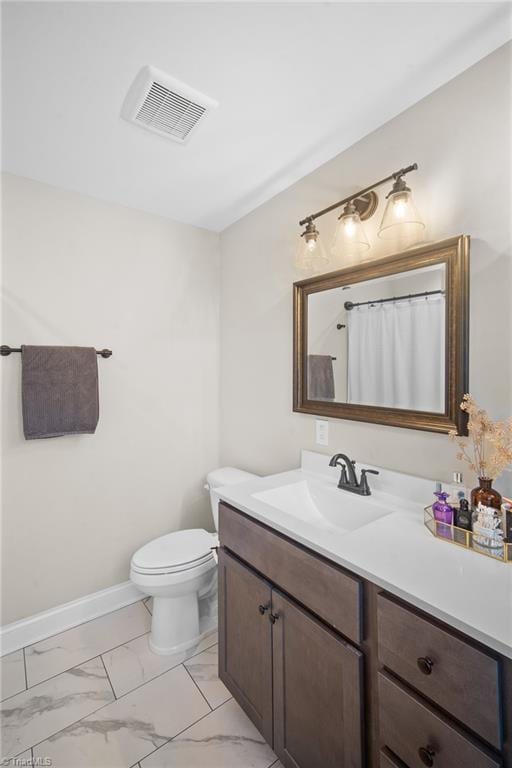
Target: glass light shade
311	255
401	221
349	238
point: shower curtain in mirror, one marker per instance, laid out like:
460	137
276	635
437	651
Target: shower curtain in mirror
396	354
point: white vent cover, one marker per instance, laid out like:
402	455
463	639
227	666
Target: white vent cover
164	105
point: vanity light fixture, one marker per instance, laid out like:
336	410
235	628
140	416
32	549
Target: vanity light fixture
400	222
311	255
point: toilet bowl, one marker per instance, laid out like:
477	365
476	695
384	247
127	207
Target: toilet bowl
177	569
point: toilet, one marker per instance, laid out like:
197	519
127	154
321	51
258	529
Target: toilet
179	568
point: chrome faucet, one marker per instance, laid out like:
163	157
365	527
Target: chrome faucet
348	478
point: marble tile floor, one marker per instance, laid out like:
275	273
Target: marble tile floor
95	696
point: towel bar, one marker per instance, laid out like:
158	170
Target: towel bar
6	350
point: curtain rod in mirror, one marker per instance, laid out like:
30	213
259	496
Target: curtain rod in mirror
352	304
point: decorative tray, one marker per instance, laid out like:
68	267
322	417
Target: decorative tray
462	538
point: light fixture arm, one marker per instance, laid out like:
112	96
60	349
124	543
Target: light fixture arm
395	176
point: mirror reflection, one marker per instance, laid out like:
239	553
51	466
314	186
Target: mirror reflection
380	342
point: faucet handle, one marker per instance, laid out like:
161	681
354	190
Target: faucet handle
363	484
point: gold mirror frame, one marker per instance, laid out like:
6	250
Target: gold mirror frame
454	253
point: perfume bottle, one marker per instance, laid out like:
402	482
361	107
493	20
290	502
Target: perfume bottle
443	512
463	515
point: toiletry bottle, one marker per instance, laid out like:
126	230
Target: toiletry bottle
463	515
457	489
443	512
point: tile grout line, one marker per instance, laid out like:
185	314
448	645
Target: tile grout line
95	711
108	650
25	668
108	677
84	661
184	730
196	685
85	717
144	603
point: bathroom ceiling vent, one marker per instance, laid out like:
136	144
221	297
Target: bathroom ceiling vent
164	105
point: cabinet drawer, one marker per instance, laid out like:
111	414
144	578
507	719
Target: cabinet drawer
420	737
325	589
459	678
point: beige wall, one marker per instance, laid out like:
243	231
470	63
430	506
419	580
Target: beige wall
460	137
79	271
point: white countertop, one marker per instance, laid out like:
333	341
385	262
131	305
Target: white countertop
466	590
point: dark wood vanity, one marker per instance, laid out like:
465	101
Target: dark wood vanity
337	673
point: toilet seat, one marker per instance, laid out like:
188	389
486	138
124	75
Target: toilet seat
178	571
174	553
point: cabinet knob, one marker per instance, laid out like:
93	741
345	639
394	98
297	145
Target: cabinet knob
427	755
425	664
262	609
273	617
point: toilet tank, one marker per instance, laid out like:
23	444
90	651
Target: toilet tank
219	478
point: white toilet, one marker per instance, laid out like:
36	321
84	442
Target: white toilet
177	569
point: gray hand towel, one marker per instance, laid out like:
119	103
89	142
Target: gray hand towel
59	387
320	378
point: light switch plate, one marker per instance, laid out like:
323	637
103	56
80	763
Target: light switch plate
321	432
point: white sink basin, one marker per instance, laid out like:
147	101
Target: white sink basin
323	505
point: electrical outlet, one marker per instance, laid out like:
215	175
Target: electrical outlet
321	432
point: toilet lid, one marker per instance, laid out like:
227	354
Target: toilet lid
183	548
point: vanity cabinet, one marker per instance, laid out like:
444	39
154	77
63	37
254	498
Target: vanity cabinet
337	673
298	681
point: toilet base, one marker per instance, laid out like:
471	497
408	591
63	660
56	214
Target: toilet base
175	624
178	648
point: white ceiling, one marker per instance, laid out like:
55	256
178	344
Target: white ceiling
296	83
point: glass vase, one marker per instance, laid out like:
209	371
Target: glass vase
487	528
485	494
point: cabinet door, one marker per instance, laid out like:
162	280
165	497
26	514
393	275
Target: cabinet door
245	640
317	692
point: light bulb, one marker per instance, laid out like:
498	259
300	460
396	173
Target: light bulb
350	227
400	208
349	239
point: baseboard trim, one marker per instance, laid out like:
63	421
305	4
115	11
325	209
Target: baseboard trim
47	623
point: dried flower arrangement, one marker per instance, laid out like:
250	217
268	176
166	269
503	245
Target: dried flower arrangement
488	449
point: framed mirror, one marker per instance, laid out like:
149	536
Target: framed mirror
387	341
